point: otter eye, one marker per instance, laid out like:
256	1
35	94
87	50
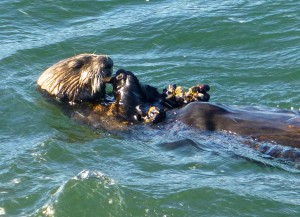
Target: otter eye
78	64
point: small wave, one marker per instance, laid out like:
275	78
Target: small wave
76	190
87	174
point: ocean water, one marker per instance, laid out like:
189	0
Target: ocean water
51	165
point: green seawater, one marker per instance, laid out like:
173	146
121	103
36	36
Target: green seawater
51	165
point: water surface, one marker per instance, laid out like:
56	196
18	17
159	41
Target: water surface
50	165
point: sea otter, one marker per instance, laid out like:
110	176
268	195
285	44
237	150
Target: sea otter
134	102
76	79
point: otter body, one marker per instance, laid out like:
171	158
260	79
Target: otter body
279	126
81	80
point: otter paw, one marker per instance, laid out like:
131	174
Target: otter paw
197	93
155	115
173	96
150	113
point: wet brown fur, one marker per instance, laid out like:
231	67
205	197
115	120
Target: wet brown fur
77	79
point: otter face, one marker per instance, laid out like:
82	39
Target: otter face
76	79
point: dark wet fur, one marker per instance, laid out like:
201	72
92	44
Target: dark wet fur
134	98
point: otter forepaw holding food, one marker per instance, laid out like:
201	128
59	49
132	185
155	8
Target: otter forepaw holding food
174	96
150	113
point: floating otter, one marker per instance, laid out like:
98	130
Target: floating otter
76	79
134	102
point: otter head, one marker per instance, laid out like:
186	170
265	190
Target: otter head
76	79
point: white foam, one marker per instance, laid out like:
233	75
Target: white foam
2	211
48	210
